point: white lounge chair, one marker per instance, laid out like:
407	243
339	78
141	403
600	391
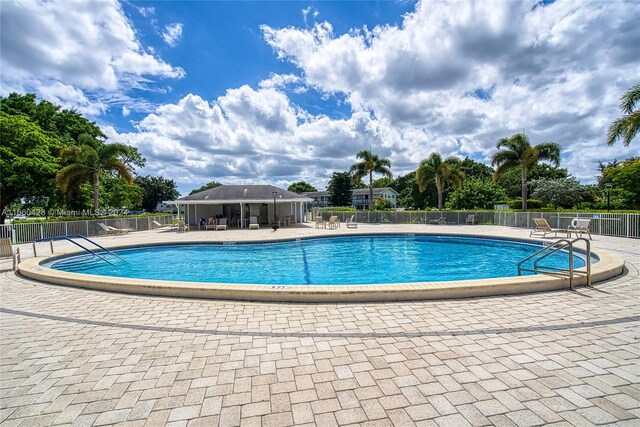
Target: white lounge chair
253	223
222	224
543	227
8	251
156	224
107	229
580	225
333	222
351	223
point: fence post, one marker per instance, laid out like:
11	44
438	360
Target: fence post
86	224
628	224
41	231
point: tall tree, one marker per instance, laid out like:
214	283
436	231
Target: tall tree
627	126
212	184
370	163
517	152
85	162
433	169
28	160
301	187
155	190
340	186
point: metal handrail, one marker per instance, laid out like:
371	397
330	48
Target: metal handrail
556	246
79	236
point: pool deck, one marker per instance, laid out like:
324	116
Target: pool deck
71	356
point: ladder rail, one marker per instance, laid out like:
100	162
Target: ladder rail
76	236
553	248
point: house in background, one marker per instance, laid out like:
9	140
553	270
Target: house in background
359	197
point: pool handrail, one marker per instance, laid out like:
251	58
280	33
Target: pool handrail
79	236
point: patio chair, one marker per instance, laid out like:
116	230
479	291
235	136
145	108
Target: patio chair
211	224
471	219
320	222
580	225
351	223
8	251
543	227
333	222
440	221
253	223
182	226
222	224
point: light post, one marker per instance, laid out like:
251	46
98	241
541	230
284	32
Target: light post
608	187
275	220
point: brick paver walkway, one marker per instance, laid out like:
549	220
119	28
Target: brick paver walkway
77	357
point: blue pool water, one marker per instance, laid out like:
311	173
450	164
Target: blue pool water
324	261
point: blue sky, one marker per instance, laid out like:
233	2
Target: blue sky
256	92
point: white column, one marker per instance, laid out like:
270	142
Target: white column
241	215
195	211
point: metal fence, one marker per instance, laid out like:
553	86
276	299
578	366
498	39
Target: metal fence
29	231
606	224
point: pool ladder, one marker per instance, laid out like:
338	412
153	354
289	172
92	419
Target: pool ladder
84	248
551	249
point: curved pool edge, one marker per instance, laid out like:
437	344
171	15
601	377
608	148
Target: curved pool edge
608	266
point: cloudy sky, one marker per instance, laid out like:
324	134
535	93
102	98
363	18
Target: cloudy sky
244	92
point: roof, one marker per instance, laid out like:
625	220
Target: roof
357	191
240	194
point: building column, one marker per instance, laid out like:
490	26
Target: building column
241	215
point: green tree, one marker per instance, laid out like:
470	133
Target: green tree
118	193
156	189
301	187
433	169
511	181
381	204
28	160
212	184
370	163
564	192
476	193
383	182
340	186
627	126
410	195
517	153
624	177
470	168
86	161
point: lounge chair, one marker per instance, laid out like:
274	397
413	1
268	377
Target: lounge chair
440	221
8	251
471	219
351	223
222	224
107	229
333	222
543	227
320	222
182	226
156	224
253	223
580	225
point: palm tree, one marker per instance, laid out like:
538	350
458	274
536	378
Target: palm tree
627	126
86	160
518	153
434	169
370	163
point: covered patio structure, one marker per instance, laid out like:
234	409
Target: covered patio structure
237	203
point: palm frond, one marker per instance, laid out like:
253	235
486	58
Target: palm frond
529	158
120	169
69	178
630	99
624	128
549	151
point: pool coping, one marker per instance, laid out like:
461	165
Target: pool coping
608	265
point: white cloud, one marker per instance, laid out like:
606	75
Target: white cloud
172	34
147	11
125	111
556	70
91	50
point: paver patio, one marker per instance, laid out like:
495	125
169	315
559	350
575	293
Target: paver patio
79	357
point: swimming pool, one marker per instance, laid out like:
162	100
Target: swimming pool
354	260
